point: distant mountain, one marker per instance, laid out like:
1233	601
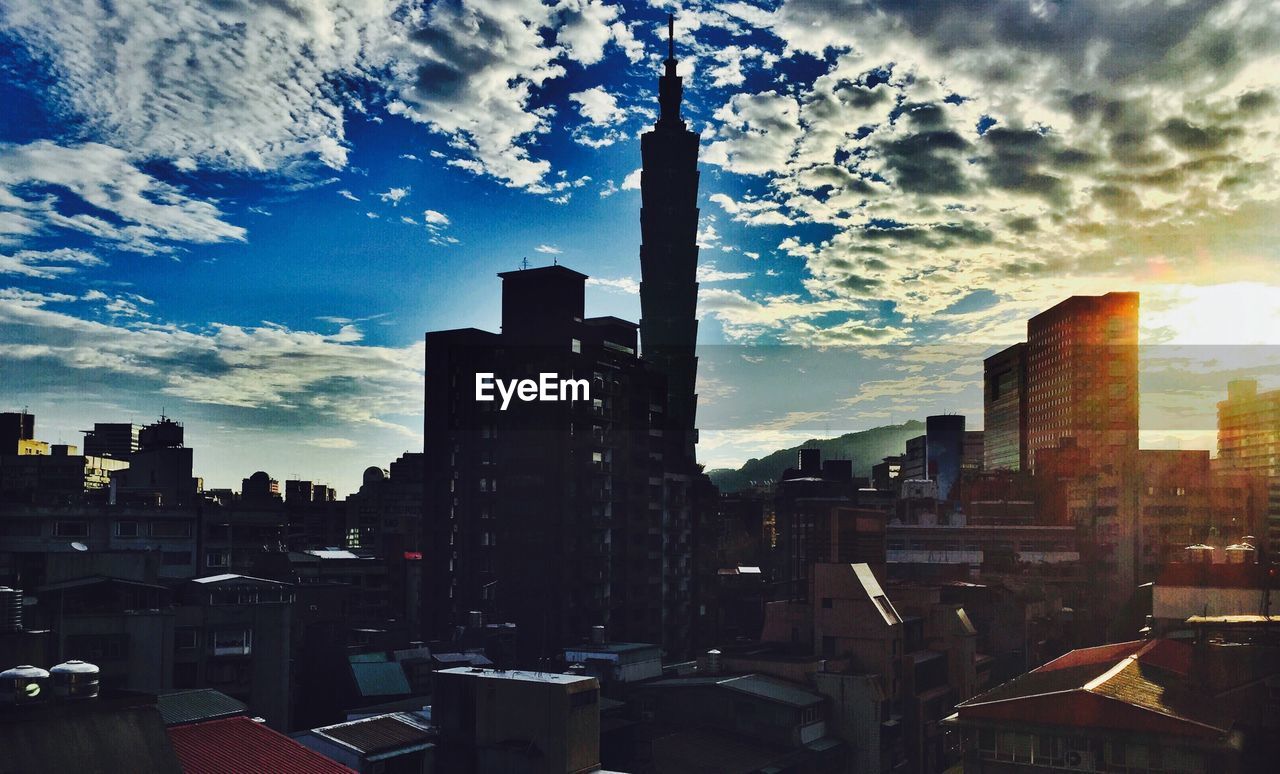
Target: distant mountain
864	448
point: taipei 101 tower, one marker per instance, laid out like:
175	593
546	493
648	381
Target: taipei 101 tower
669	258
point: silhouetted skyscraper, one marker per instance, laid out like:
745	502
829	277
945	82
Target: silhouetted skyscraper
669	255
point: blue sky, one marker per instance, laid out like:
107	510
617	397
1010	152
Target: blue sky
246	214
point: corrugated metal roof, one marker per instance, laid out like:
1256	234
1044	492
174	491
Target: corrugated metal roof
179	707
332	553
238	745
774	690
380	679
378	734
230	577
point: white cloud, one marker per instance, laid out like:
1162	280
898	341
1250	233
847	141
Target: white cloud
47	264
435	218
548	249
632	181
302	375
35	179
756	134
394	195
230	84
331	443
598	106
627	285
708	272
344	193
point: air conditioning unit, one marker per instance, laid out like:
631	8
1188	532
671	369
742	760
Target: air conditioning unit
1080	761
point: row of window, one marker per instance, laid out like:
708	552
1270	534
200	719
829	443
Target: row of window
127	529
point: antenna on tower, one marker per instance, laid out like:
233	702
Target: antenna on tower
671	36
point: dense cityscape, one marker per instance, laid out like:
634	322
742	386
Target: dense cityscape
559	586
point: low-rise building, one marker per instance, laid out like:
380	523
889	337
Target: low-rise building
500	720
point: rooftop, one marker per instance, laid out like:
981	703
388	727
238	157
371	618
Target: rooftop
554	678
239	745
379	734
611	647
179	707
1139	687
231	577
380	678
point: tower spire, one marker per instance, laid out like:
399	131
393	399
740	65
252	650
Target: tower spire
670	90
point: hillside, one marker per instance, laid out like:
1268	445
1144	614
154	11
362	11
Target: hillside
865	448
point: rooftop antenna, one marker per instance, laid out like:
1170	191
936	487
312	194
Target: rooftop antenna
524	262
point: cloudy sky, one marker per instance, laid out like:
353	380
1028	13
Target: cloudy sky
245	214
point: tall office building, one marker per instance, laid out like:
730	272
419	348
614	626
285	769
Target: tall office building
944	450
17	432
1082	377
669	255
118	440
1004	407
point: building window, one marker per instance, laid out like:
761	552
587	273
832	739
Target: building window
170	529
128	529
71	529
583	699
175	558
97	648
231	642
186	638
217	558
987	740
575	346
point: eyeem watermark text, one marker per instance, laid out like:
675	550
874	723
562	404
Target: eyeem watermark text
547	389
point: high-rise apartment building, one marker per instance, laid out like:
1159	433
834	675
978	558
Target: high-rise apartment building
1082	376
552	515
567	514
1249	442
17	433
1004	405
1249	429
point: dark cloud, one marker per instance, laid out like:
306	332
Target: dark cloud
1023	225
927	162
860	285
1190	137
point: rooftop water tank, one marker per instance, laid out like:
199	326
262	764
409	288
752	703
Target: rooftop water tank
75	680
10	609
22	685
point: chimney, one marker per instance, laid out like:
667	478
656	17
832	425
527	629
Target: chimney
713	661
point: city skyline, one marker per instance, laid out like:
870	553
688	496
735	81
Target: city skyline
202	243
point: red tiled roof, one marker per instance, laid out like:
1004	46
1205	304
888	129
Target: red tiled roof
1102	654
239	744
1132	686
